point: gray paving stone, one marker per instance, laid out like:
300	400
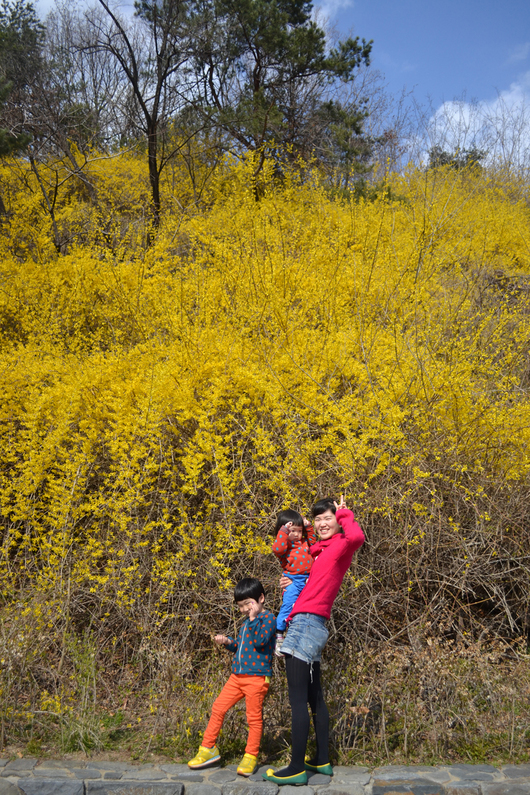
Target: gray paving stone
27	763
258	774
28	776
189	775
346	789
4	773
201	789
206	771
250	788
145	773
516	771
464	772
57	764
462	788
514	787
185	779
318	779
84	772
51	786
182	772
134	787
351	775
396	772
7	788
222	776
120	766
480	768
360	779
46	772
416	786
429	772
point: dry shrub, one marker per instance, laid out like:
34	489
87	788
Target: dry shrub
160	406
440	703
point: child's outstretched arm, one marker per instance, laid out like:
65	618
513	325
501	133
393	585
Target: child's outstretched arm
224	640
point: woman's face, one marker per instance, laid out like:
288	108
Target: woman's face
326	524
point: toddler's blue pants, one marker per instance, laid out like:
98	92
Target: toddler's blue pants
290	595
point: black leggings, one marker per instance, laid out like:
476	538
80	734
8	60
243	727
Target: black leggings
303	680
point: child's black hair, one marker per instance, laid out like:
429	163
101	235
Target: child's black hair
327	504
248	588
288	516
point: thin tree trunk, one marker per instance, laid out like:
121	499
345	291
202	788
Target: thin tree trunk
56	240
154	177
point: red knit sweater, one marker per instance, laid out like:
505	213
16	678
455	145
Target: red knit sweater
332	558
294	556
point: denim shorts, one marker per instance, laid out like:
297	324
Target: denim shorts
306	637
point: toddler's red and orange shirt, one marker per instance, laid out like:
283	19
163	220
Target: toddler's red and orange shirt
294	556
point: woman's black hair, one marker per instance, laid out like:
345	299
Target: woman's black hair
327	504
248	588
288	516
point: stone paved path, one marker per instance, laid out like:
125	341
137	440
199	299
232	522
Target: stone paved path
53	777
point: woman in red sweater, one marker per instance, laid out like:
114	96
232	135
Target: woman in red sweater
340	537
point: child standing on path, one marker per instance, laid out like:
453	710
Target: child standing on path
340	538
251	672
293	538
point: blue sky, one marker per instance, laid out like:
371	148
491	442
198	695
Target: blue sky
444	49
471	49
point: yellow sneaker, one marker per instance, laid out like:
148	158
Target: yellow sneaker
205	756
247	765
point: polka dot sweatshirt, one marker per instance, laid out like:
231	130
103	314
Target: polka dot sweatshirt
254	645
294	556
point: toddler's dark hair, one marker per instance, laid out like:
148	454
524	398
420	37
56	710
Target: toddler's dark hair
326	504
248	588
288	516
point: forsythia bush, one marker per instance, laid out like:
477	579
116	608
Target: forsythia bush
160	404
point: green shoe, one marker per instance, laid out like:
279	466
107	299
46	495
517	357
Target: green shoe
326	769
299	778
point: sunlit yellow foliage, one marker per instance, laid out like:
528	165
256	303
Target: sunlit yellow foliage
160	404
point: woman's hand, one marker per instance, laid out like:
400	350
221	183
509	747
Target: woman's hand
285	582
341	504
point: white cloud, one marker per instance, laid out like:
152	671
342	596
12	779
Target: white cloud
330	8
500	126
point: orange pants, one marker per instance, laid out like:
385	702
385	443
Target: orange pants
253	689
